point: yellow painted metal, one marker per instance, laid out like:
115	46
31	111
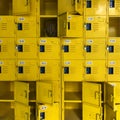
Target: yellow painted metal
48	91
21	92
91	93
5	26
95	70
93	7
22	112
114	7
45	92
26	70
70	6
7	48
46	112
95	48
70	25
72	48
93	26
25	26
26	48
113	71
21	7
113	47
49	70
7	70
91	112
49	48
73	70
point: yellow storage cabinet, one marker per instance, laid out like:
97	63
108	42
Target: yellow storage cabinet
113	47
48	92
95	70
7	70
95	48
49	70
73	70
70	6
113	95
114	7
5	26
70	25
26	48
95	26
27	70
7	48
72	48
49	48
113	70
93	7
21	7
25	26
47	112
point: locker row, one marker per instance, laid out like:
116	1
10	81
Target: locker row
55	7
55	48
72	70
66	25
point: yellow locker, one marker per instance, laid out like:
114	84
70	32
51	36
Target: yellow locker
26	48
95	70
91	93
27	70
113	70
95	48
73	70
21	92
7	70
22	112
49	90
47	112
93	7
25	26
95	26
113	48
114	7
113	95
7	48
70	25
21	7
70	6
49	48
7	26
49	70
91	112
72	48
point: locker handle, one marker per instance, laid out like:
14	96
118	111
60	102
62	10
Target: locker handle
68	25
49	93
98	116
25	93
26	2
111	98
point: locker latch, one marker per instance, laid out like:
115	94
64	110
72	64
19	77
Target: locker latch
0	69
88	48
88	26
110	48
42	70
19	25
110	70
112	3
88	4
42	48
20	48
66	48
88	70
20	69
66	70
42	115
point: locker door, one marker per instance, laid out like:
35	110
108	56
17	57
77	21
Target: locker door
92	93
45	92
79	6
22	112
21	92
21	7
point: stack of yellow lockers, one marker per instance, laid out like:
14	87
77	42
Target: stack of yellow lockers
59	60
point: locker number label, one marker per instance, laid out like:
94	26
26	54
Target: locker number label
112	41
1	62
67	63
21	18
89	62
43	63
21	41
42	41
21	62
67	41
112	62
90	18
89	41
69	17
43	107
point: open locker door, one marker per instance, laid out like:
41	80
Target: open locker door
21	92
45	92
79	6
21	7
